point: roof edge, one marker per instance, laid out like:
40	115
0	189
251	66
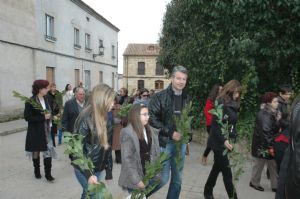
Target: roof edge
92	12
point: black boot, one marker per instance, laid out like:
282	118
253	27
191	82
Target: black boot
36	165
47	167
118	156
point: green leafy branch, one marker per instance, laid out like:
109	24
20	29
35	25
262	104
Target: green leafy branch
124	110
31	101
183	126
151	171
74	147
236	158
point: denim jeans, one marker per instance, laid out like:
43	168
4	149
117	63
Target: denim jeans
84	182
176	171
60	134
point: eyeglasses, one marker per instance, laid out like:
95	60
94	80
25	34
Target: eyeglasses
145	114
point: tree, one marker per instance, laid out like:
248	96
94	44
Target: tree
254	41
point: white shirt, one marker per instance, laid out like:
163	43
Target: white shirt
42	101
145	136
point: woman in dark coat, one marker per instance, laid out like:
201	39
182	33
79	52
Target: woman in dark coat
265	130
229	98
96	128
38	138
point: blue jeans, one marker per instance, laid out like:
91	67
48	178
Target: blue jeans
176	174
84	182
59	136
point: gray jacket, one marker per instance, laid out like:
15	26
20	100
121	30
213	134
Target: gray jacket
131	168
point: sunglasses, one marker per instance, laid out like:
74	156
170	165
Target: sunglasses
145	95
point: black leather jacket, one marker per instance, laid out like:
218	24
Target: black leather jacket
265	130
230	114
161	109
101	158
293	178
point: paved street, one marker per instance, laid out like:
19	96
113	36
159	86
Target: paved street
17	180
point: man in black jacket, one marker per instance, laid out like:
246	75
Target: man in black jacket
162	108
72	109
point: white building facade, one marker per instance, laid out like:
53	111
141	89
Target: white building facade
63	41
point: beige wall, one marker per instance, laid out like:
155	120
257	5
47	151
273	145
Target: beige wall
130	77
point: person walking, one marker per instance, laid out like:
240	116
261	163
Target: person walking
68	93
72	109
96	129
162	108
292	188
229	98
139	144
209	105
262	149
38	137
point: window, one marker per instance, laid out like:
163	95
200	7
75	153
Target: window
113	52
113	81
100	42
50	28
141	68
77	77
140	84
159	70
76	38
159	85
100	77
87	79
50	74
88	42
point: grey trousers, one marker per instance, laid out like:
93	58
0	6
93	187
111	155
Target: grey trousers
258	166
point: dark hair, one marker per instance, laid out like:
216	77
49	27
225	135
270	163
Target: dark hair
214	92
268	97
134	119
66	88
285	88
142	90
228	90
38	85
125	90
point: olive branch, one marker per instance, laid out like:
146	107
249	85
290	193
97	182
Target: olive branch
150	179
236	158
74	147
31	101
183	126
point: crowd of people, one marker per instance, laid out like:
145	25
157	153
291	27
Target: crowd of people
149	129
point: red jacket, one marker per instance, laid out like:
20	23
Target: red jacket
208	106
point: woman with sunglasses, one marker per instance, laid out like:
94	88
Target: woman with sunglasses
143	97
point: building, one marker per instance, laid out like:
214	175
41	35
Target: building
141	69
63	41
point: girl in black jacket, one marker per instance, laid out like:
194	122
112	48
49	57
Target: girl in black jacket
38	137
96	128
229	98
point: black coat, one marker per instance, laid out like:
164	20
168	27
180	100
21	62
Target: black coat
70	115
36	135
101	158
293	178
284	121
230	114
265	130
161	109
52	102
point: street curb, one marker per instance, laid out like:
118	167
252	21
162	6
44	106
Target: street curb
13	131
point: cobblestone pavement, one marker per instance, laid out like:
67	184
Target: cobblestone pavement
17	180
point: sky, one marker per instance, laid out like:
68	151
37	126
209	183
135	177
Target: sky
139	21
